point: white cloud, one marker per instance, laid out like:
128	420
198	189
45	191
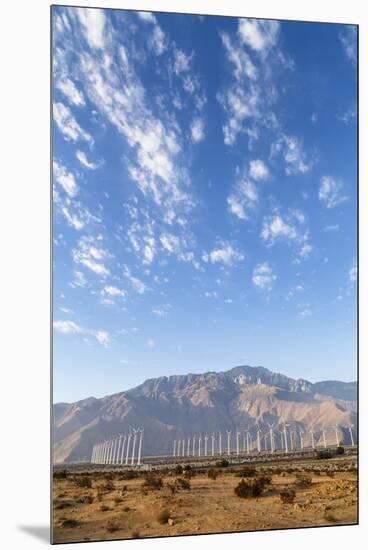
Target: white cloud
181	61
274	227
292	151
349	42
331	191
161	311
151	343
348	116
93	22
170	243
147	16
333	227
260	35
305	250
305	311
136	283
81	156
243	65
263	276
91	256
258	170
72	219
158	40
79	280
70	327
65	179
69	89
67	327
197	130
242	199
67	124
353	273
225	254
113	291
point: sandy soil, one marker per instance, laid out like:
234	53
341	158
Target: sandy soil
115	508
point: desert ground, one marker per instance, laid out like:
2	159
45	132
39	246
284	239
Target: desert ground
92	505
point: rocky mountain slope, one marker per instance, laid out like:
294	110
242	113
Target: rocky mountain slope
183	405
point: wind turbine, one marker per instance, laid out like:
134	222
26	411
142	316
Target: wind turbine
205	444
258	439
199	444
351	434
179	443
228	442
188	446
324	437
237	441
312	439
134	443
213	444
272	443
194	438
291	440
174	451
301	439
248	444
128	445
141	431
285	437
123	449
220	443
337	434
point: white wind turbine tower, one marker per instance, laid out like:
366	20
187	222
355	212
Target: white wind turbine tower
183	447
213	444
141	431
110	450
188	446
199	444
324	437
179	443
337	434
285	437
220	443
205	444
115	457
291	440
174	449
312	439
123	449
258	439
134	443
301	439
107	452
248	445
118	449
228	442
237	441
272	443
128	445
351	434
244	443
103	452
194	439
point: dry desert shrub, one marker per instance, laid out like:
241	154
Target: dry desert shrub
223	463
251	488
246	471
212	474
60	475
70	523
163	516
129	474
135	534
83	482
303	481
153	481
112	526
104	508
178	469
118	499
287	496
181	483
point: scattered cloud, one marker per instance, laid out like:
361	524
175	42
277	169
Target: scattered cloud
225	254
353	273
197	130
263	276
113	291
242	199
81	156
348	116
260	35
70	91
70	327
65	179
304	311
136	283
258	170
349	41
181	61
91	255
93	24
151	343
79	280
161	311
332	227
291	149
331	191
68	125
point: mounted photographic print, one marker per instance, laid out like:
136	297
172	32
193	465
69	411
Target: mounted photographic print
204	274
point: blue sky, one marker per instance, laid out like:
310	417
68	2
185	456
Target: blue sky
205	190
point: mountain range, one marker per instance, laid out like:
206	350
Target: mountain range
180	406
